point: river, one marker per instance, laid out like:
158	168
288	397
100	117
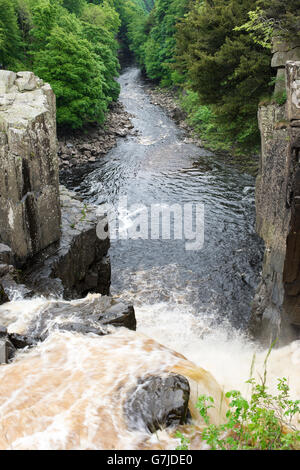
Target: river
195	301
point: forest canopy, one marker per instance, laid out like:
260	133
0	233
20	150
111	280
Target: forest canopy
215	54
73	45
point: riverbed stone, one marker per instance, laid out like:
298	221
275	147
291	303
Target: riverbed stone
29	181
158	401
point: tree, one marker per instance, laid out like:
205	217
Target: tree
285	14
74	6
100	26
159	48
224	66
10	39
69	64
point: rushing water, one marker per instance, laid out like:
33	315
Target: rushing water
158	167
68	392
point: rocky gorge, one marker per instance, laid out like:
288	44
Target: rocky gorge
69	320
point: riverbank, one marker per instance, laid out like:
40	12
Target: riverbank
79	150
169	100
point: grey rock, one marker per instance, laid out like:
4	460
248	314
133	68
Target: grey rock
293	90
22	341
276	306
26	81
3	352
6	255
120	314
11	284
280	58
78	263
7	80
157	402
90	315
3	331
29	190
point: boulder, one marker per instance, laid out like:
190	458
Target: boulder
7	80
7	349
29	180
157	402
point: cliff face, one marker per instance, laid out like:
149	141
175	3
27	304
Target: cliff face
276	308
43	228
29	187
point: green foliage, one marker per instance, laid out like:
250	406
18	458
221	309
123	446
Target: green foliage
159	48
74	6
100	26
213	49
70	65
260	28
285	17
184	441
261	423
224	66
72	45
280	97
10	38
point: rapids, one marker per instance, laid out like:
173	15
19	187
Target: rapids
192	307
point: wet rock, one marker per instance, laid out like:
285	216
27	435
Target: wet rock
9	343
78	263
81	328
120	314
94	314
3	331
11	285
21	341
158	402
3	296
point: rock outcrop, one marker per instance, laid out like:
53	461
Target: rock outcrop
78	263
59	251
276	308
29	185
283	52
